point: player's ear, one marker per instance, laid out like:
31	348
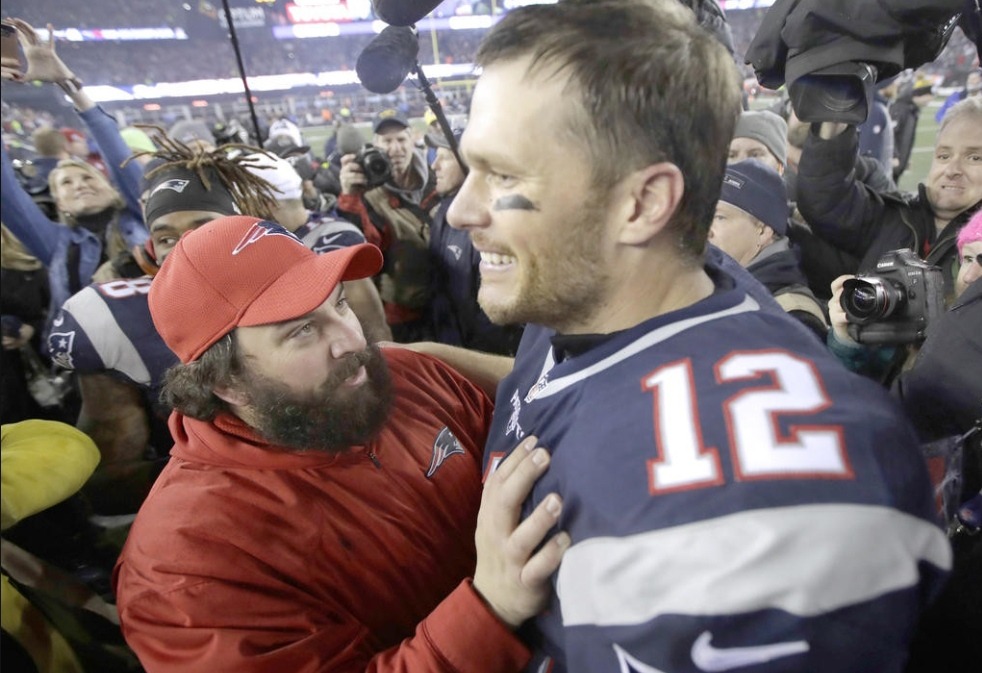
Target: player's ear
648	199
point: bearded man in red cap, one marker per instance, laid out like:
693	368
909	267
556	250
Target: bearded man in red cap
318	512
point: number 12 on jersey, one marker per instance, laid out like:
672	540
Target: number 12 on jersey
777	384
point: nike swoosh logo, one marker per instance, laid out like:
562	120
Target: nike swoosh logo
710	658
332	237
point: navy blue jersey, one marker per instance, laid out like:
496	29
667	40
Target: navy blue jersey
106	328
736	499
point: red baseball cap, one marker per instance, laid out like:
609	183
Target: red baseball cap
241	271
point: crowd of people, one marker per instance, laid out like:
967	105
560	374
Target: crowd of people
149	62
513	390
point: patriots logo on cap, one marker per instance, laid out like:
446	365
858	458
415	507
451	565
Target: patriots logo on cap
261	230
175	184
445	446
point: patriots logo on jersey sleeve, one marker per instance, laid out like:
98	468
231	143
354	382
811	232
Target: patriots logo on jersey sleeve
60	345
259	231
445	446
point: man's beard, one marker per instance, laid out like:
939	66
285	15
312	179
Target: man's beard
332	418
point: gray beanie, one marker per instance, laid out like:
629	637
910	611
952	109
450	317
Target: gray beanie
767	128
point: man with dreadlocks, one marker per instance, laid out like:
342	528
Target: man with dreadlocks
104	332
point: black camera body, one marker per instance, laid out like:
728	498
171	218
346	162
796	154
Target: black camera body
896	303
375	165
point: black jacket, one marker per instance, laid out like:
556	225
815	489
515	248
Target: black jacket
860	222
798	37
942	392
780	272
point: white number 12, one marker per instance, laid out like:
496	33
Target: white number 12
787	385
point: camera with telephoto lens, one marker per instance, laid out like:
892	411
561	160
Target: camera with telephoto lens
375	165
896	303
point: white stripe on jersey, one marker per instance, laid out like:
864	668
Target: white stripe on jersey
90	311
806	560
643	343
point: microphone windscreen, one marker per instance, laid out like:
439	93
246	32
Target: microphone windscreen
403	12
350	140
384	64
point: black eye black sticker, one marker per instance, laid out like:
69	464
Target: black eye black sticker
514	202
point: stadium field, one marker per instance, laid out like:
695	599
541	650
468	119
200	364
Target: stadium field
920	159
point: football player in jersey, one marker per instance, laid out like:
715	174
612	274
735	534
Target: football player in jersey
105	334
736	499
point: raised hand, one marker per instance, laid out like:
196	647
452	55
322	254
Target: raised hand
511	576
10	66
43	63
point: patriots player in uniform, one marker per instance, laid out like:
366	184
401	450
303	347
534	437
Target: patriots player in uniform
106	335
736	499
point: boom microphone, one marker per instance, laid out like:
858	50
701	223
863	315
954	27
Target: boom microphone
384	64
403	12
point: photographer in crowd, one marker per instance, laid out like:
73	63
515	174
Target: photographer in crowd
387	190
867	224
871	333
940	388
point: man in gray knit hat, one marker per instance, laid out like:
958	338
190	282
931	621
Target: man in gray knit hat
760	135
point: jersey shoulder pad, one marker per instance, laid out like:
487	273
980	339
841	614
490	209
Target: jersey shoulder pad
94	330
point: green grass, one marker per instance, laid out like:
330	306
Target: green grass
920	158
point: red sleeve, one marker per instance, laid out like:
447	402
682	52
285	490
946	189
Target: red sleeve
461	635
353	203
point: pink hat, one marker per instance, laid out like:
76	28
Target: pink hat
243	271
971	232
